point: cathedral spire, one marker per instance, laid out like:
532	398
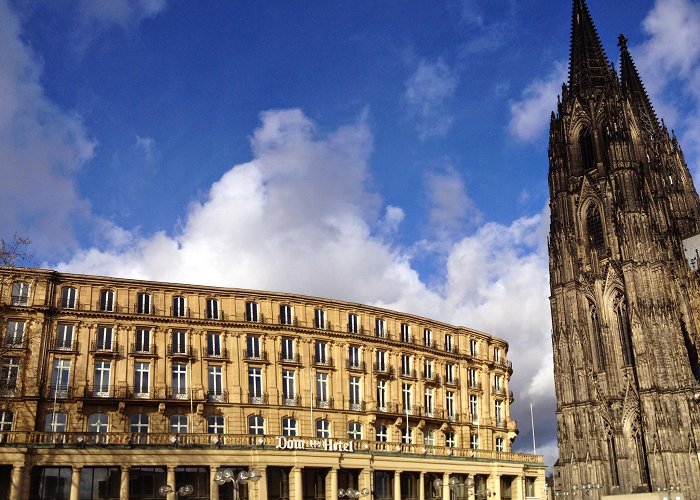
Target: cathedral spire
589	68
632	84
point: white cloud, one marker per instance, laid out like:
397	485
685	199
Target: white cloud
429	91
122	13
41	147
451	210
529	116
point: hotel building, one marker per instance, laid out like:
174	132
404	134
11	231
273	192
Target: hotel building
111	388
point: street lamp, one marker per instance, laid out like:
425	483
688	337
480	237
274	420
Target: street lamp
669	489
351	493
182	491
587	487
455	485
228	476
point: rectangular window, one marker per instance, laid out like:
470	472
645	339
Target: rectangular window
500	444
530	487
143	303
407	398
406	365
215	379
255	387
215	424
449	373
427	337
256	425
450	404
473	378
212	309
14	335
405	333
69	297
382	387
321	353
50	482
496	354
179	381
178	424
380	328
102	379
498	412
474	408
429	437
142	342
473	348
450	439
382	435
214	345
319	318
322	398
355	392
20	293
353	323
179	342
100	482
60	378
9	373
354	360
142	372
253	347
428	401
289	392
179	307
380	360
286	317
251	312
448	342
323	429
288	349
106	300
428	369
474	442
104	338
497	383
64	337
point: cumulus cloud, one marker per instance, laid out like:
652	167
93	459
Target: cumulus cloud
41	147
429	91
529	115
451	211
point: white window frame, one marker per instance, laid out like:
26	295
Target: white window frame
428	368
322	393
255	382
289	426
407	397
500	444
179	387
6	420
427	337
214	344
252	312
429	437
289	386
380	328
142	341
450	404
474	407
104	338
20	293
178	339
144	303
381	360
215	424
355	431
406	365
103	378
354	356
321	352
213	309
179	424
323	428
474	442
14	334
353	323
429	401
142	379
69	297
450	439
215	382
405	333
60	378
179	306
106	300
288	348
98	423
140	423
355	396
382	390
320	319
382	433
56	422
256	425
406	435
253	346
286	314
65	337
473	348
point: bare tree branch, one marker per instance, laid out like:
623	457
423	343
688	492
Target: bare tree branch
14	251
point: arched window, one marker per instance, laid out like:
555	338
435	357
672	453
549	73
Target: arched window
597	335
594	229
624	331
585	143
612	455
98	422
641	455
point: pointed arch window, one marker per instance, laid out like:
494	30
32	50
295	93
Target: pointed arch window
594	229
624	331
597	335
612	455
585	143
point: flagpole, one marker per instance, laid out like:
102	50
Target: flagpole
311	387
532	420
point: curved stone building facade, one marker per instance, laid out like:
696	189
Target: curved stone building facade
112	388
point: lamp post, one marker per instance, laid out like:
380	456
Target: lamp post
455	485
669	490
228	476
182	491
586	488
351	493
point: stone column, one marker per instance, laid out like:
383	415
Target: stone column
446	486
124	484
495	485
332	493
397	485
170	479
261	486
16	482
75	483
421	486
296	486
518	488
366	480
213	487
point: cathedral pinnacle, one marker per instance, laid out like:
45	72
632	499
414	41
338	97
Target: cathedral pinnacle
632	84
589	68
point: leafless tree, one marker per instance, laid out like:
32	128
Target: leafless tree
14	251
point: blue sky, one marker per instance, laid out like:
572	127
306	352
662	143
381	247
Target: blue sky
392	153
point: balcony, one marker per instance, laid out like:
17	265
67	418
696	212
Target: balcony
411	374
431	378
102	391
284	320
388	408
291	401
178	313
355	405
216	353
11	343
383	370
324	403
499	391
20	300
255	355
102	307
181	351
58	392
143	349
325	362
475	385
355	366
359	330
217	396
411	410
452	382
290	359
261	399
63	345
105	348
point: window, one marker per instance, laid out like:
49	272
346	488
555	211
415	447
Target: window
473	348
98	422
380	328
14	336
287	349
497	384
353	323
215	380
50	482
354	360
407	398
143	303
179	341
179	381
598	334
474	442
382	433
55	422
496	354
289	393
69	297
142	372
354	430
323	428
429	437
289	426
321	353
500	444
179	306
428	369
450	404
624	331
64	337
406	365
449	373
322	398
450	439
251	311
530	487
99	482
255	388
6	417
139	423
427	337
215	424
448	343
104	338
212	309
381	360
382	387
319	318
474	408
253	347
429	401
585	142
286	317
473	378
142	342
106	300
20	293
102	377
594	229
178	424
405	333
9	373
355	393
498	412
214	345
60	378
406	435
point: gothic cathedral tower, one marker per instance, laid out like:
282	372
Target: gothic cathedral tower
625	302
